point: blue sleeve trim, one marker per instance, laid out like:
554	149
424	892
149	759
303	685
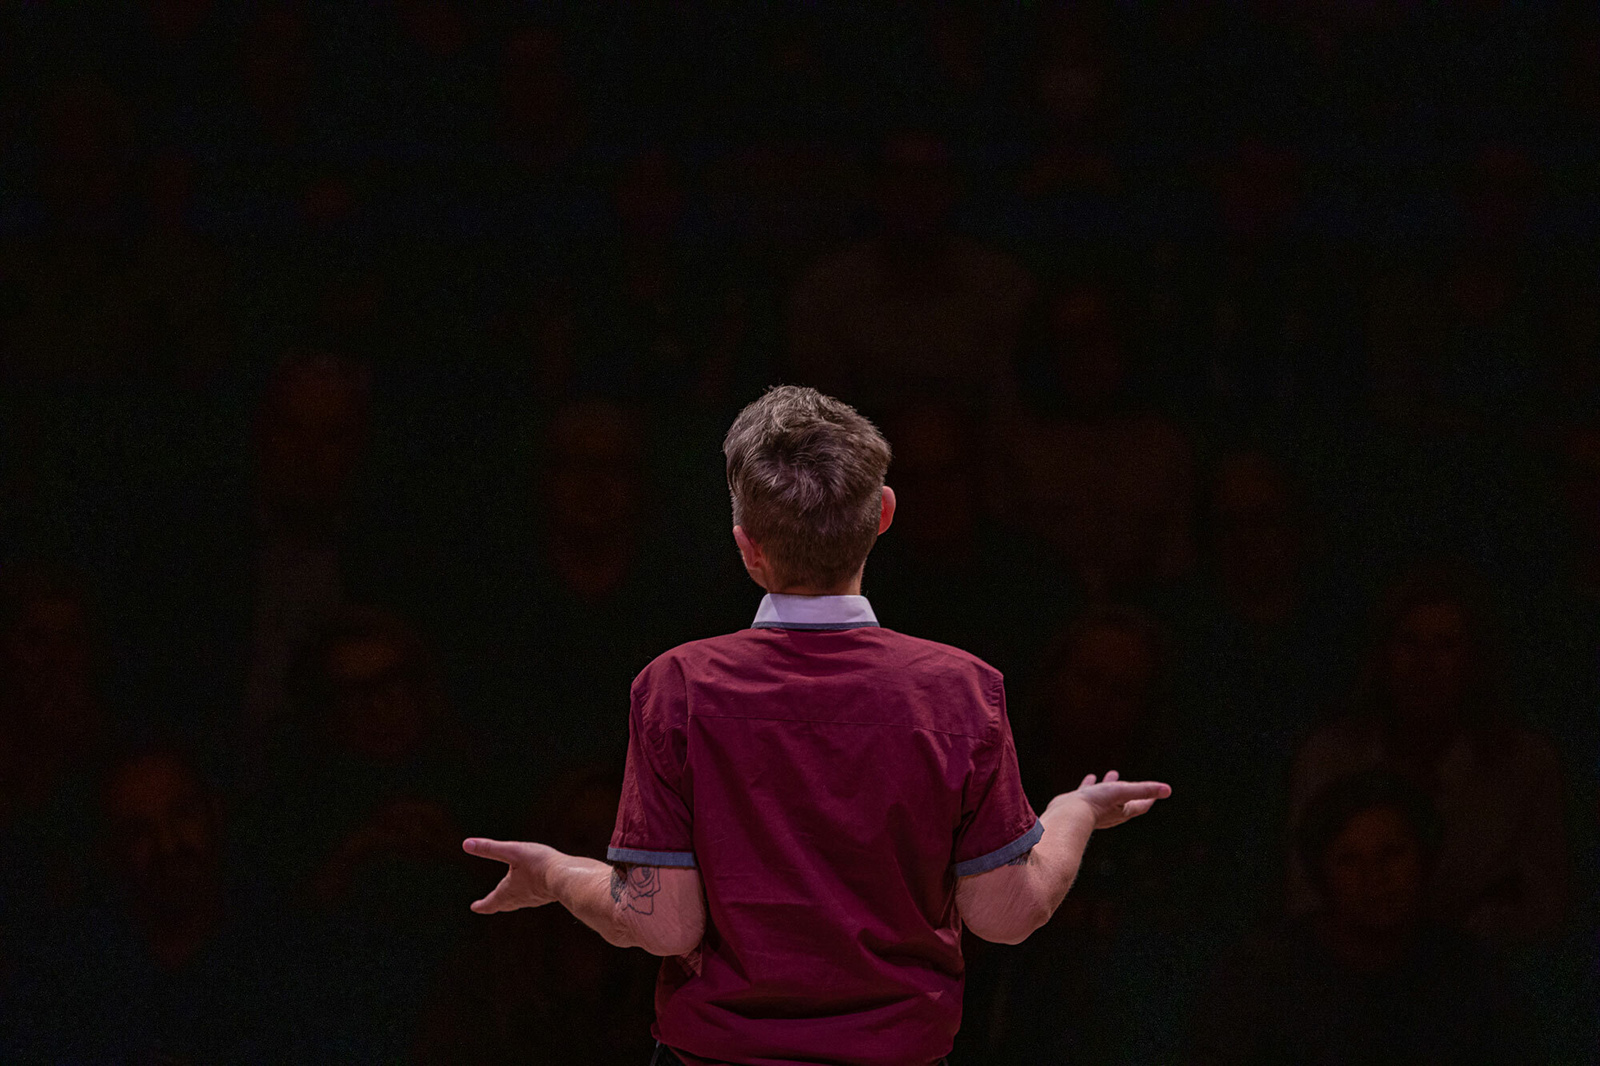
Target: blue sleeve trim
1001	856
651	858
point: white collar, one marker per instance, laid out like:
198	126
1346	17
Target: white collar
780	611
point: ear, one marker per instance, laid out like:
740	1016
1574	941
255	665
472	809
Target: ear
755	563
886	515
747	547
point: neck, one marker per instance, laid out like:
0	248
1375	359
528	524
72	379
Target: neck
851	588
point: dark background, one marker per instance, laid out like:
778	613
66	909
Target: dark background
363	372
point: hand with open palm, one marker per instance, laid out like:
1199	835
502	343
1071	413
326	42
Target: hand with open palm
526	883
1115	801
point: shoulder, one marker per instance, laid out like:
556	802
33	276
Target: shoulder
932	655
958	682
939	671
677	665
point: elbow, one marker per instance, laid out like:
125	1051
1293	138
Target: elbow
1013	929
1037	916
681	945
1031	923
1012	935
666	946
1038	920
679	940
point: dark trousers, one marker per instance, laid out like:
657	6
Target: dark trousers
665	1057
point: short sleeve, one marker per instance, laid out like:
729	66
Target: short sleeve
997	821
655	826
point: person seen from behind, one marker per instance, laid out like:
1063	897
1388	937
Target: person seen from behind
813	807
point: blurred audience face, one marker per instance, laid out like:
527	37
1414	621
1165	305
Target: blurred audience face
85	132
649	197
1103	689
917	187
595	479
540	119
1092	368
275	65
935	479
1428	663
1580	76
311	433
1500	193
167	188
163	829
436	25
1072	82
1373	873
1258	190
1580	487
378	710
49	666
1256	537
176	19
47	648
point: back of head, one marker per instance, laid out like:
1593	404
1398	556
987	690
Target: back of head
806	474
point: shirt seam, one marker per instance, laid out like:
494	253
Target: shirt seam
837	721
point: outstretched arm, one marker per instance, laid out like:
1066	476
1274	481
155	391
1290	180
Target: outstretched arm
658	908
1008	903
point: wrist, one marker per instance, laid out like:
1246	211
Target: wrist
1072	808
560	875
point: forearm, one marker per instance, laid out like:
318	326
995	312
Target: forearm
1055	860
584	887
660	909
1007	904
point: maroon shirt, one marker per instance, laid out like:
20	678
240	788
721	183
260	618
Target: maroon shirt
830	779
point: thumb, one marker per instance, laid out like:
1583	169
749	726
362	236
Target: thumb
494	902
1134	808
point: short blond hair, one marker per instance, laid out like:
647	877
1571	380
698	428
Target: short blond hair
806	475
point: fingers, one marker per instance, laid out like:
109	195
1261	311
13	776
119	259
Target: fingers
1127	791
490	849
1087	781
1134	808
1111	775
